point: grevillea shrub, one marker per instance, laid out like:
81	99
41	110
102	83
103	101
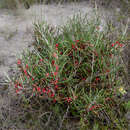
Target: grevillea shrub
75	68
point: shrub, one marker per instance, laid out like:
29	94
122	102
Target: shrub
76	70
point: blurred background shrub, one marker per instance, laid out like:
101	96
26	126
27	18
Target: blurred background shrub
12	4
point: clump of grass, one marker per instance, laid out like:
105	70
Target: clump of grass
75	72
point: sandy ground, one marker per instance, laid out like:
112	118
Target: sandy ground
16	30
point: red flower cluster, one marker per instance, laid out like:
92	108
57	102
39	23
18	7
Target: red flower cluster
18	86
94	107
56	46
19	62
68	99
119	44
74	47
43	91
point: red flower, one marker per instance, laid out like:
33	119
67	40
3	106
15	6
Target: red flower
61	52
121	45
32	78
52	95
68	99
44	90
27	66
110	55
55	55
56	81
117	42
56	87
113	44
38	89
19	62
57	67
77	41
51	74
83	78
97	79
73	46
96	53
25	72
20	85
34	89
108	99
53	62
41	60
76	62
92	107
54	100
17	90
48	91
57	45
47	74
16	85
55	73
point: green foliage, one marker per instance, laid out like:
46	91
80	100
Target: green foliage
75	70
127	105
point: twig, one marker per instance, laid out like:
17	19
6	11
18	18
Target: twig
65	115
48	119
44	114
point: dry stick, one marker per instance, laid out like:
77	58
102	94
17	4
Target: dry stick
92	67
43	114
65	115
48	119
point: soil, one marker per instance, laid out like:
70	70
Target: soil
16	34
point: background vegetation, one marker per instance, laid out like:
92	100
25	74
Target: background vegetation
105	3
